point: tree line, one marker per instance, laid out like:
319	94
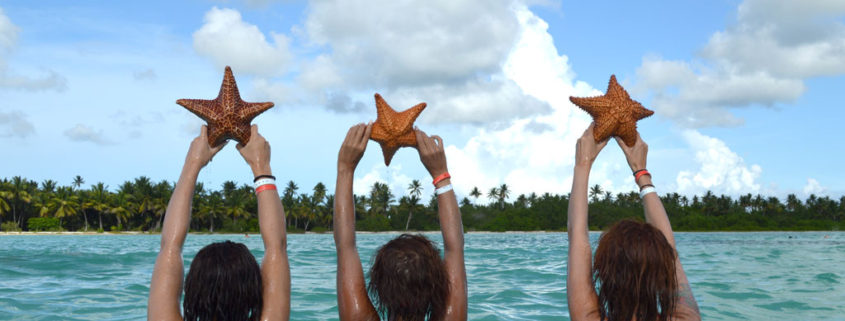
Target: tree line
140	205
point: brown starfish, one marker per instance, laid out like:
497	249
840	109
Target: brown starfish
393	130
228	116
615	114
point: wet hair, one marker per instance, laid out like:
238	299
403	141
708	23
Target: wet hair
224	283
408	280
634	272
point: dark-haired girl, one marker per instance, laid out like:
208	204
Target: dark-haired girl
408	280
224	281
636	271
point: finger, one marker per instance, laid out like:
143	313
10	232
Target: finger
214	150
602	144
349	134
621	143
368	130
423	141
204	131
589	130
438	140
253	130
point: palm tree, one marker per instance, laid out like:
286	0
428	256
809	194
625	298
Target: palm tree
504	192
380	198
414	192
64	204
19	193
493	194
78	181
5	195
288	198
475	193
99	201
595	191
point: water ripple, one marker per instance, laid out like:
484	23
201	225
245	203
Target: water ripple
511	276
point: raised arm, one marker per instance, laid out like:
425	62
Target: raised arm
580	293
686	307
352	301
275	268
166	284
433	156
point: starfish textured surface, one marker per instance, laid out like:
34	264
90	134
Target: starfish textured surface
228	116
615	114
393	129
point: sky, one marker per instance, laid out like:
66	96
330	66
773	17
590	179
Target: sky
746	93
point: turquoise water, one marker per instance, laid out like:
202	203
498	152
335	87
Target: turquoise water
512	276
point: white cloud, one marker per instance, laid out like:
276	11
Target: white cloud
396	180
814	187
446	53
83	133
386	43
15	124
762	59
8	40
534	153
719	169
8	33
229	41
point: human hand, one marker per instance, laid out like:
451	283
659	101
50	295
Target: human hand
636	155
432	154
353	147
200	153
256	152
586	149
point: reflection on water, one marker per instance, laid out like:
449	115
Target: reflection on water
512	276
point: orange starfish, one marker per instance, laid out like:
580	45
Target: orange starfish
615	114
228	116
393	130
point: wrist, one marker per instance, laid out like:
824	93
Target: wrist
443	182
644	180
261	170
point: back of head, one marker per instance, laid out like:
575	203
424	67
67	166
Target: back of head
408	280
224	283
634	271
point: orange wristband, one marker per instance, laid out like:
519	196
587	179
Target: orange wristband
640	173
264	188
441	177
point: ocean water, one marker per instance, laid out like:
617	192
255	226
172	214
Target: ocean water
512	276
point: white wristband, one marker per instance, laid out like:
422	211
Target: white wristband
263	181
647	190
443	189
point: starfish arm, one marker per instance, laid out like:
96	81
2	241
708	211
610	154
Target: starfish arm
388	151
216	136
229	93
605	126
641	112
405	119
627	132
250	110
205	109
595	106
615	91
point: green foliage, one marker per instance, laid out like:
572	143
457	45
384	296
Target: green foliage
9	226
43	224
373	224
140	205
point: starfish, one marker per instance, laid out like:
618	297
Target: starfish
615	114
392	129
228	116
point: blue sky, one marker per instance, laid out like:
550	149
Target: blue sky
745	92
